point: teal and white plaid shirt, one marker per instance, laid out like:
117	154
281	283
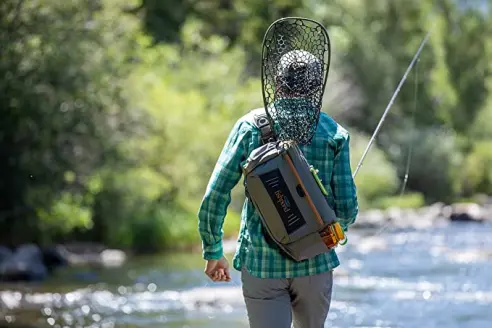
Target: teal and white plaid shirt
328	152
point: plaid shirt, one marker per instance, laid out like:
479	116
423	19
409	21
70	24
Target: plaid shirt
328	152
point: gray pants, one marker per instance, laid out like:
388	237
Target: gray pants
303	302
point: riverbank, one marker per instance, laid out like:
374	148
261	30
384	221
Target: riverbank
33	263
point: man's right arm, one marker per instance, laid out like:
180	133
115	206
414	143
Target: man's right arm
343	186
225	176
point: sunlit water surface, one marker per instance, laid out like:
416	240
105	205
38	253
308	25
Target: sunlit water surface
440	277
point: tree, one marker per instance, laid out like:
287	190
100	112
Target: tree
62	107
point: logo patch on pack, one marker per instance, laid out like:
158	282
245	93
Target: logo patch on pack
287	209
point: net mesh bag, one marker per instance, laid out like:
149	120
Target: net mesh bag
295	63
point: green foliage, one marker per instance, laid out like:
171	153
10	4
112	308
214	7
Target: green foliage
481	129
377	176
449	77
241	22
435	162
70	210
408	200
62	104
179	102
163	19
478	169
187	106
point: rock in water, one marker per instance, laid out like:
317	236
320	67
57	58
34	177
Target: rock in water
372	219
54	257
466	212
112	257
89	257
24	264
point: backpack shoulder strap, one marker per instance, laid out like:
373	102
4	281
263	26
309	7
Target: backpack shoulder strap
260	120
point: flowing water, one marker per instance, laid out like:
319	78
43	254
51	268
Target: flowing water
439	277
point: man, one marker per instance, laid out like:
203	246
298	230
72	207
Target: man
277	290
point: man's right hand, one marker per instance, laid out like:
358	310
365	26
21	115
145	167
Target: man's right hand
218	270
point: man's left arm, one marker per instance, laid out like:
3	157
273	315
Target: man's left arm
343	186
225	176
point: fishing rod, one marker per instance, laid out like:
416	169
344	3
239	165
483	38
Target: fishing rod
390	104
392	100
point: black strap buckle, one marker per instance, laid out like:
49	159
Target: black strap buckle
263	124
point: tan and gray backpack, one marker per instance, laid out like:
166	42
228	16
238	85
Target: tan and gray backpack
289	196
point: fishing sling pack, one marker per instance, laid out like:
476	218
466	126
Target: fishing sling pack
289	196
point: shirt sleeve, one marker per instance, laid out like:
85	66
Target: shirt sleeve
225	176
343	186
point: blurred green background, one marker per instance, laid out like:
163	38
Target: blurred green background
113	112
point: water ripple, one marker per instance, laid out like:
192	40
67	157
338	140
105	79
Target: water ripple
407	278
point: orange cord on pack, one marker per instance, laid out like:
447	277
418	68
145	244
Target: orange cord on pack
329	234
308	198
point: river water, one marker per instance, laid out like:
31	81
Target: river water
438	277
